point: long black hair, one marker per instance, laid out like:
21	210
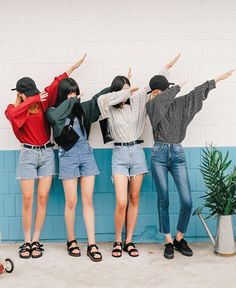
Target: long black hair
65	87
117	85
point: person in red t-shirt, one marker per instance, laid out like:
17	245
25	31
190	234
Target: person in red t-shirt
36	160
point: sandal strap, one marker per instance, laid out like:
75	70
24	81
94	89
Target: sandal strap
90	247
126	246
117	250
71	249
95	253
116	243
26	247
71	242
37	246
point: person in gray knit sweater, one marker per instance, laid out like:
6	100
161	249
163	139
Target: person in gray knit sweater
170	117
125	109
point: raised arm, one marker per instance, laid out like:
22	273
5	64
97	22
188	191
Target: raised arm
224	76
53	88
76	65
193	101
172	62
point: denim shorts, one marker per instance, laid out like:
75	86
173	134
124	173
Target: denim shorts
78	161
129	160
35	163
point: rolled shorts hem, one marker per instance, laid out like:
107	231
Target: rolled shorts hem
68	177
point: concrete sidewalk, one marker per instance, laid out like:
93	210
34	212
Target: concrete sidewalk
57	269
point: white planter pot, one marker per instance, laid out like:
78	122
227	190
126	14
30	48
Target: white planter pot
225	244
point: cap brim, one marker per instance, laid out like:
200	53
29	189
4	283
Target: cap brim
13	89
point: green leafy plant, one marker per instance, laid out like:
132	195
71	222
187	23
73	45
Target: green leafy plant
220	197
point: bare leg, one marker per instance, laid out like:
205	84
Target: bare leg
121	185
132	213
70	189
27	187
179	236
44	185
168	238
87	186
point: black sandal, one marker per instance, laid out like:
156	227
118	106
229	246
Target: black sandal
92	255
36	246
132	250
71	249
117	250
26	247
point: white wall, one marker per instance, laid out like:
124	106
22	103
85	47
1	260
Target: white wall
40	39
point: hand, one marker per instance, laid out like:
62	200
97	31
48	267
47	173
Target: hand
133	90
18	100
77	64
43	96
224	76
181	84
129	74
172	62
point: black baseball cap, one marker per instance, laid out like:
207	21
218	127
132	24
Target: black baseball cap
159	82
26	86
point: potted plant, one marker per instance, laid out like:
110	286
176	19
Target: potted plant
220	197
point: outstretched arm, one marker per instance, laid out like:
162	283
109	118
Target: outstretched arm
53	88
224	76
172	62
76	65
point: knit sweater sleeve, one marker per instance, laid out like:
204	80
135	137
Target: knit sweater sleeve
159	106
193	101
57	116
110	99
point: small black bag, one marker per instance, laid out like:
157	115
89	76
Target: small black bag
68	136
106	132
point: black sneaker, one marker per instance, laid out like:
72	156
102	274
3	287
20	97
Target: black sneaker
169	251
183	248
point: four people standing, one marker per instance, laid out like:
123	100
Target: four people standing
125	107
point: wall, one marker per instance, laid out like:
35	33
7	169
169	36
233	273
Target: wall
42	39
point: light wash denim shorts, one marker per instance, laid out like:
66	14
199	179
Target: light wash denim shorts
35	163
129	160
78	161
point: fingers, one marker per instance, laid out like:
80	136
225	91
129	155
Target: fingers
231	72
129	74
83	58
43	96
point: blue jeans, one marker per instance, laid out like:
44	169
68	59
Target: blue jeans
171	158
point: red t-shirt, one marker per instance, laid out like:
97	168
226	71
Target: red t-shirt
33	128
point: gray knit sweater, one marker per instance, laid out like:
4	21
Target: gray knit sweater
171	116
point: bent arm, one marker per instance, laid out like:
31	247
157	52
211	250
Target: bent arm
18	115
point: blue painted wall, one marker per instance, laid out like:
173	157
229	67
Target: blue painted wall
104	201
